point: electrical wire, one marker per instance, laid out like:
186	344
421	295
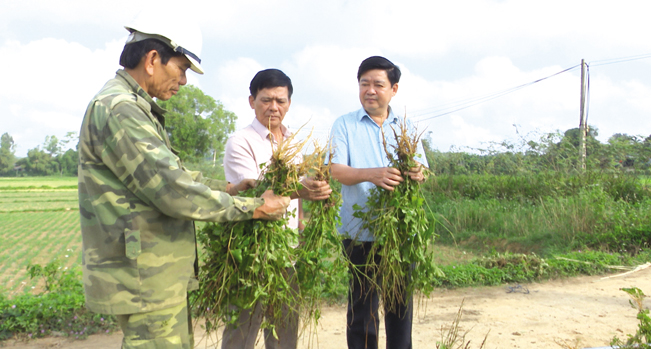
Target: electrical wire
464	104
452	107
620	60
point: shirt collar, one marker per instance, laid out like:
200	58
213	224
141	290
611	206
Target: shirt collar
135	87
392	118
264	132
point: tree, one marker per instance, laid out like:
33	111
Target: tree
629	151
52	146
197	125
69	160
38	163
7	154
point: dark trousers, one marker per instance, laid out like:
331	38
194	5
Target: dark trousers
363	318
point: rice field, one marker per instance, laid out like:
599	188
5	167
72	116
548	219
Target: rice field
39	221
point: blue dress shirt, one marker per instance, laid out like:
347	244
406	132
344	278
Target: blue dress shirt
358	143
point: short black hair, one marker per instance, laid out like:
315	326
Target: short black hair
377	62
270	78
132	53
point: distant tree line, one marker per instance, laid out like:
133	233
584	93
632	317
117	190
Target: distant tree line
554	151
45	160
197	126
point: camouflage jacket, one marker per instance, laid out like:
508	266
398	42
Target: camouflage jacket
137	205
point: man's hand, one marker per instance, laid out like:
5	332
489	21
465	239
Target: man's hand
274	207
313	190
234	189
385	177
416	173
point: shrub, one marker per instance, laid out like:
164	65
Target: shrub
59	310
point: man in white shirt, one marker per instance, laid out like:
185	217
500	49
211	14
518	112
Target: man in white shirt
271	92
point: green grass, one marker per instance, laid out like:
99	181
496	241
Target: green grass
37	182
38	200
36	226
37	238
602	212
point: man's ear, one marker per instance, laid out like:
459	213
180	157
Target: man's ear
394	88
251	100
150	60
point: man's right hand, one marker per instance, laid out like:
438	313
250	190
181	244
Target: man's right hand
385	177
234	189
274	207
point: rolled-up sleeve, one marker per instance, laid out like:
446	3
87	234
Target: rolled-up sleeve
136	152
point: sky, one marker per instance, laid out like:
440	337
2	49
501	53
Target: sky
57	54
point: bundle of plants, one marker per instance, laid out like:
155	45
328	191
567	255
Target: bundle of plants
319	262
251	262
402	234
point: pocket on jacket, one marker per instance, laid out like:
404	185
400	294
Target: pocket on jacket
132	243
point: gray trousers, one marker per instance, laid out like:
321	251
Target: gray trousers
244	334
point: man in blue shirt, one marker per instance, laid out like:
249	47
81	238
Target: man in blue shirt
360	163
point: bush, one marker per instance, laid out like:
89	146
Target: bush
59	310
543	213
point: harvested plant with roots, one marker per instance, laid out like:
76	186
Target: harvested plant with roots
320	262
402	236
251	262
256	262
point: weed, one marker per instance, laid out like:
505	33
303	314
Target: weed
452	339
59	310
642	336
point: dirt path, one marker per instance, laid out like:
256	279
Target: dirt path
589	309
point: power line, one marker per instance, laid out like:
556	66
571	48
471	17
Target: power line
464	104
452	107
620	60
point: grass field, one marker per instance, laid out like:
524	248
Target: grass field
38	224
39	221
38	182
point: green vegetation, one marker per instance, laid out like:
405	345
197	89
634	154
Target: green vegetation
22	183
642	337
59	310
401	229
196	124
542	213
320	266
505	214
37	225
453	339
250	262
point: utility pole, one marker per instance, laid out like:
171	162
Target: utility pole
583	127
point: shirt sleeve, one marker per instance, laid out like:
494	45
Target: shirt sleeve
239	160
136	152
213	184
339	142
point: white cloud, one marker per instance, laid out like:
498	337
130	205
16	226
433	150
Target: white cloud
51	82
58	54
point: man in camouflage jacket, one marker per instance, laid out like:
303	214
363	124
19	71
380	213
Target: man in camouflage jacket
137	202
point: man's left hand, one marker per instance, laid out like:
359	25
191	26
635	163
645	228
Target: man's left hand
416	173
313	190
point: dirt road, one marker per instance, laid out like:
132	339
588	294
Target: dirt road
589	309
